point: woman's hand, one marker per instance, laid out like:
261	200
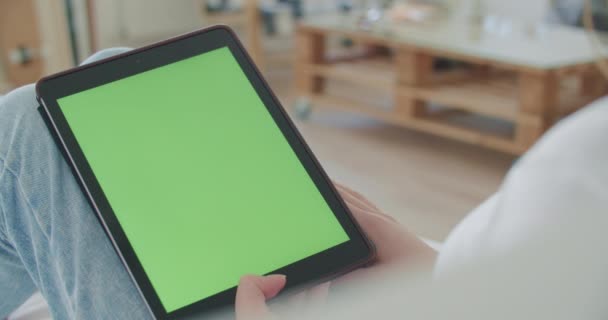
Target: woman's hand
252	293
395	246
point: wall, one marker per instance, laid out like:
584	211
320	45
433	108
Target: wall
81	26
56	46
125	22
134	22
533	11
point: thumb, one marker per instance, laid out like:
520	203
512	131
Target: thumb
252	293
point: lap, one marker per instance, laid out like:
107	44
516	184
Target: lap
49	225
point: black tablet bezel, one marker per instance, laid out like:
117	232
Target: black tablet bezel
322	266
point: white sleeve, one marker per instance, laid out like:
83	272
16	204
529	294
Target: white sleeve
558	190
462	245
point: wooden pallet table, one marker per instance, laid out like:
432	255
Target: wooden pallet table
528	77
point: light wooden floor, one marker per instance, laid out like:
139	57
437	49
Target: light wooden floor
426	182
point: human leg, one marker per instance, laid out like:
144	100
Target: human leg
49	236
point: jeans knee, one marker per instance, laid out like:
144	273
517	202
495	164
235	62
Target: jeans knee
21	126
14	107
105	53
16	103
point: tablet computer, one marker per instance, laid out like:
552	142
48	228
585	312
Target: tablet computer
197	174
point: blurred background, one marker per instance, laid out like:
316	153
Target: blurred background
423	106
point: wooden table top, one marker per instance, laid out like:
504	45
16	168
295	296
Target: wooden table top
539	47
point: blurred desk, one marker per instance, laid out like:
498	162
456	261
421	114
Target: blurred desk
526	77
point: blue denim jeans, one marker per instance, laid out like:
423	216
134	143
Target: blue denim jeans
50	239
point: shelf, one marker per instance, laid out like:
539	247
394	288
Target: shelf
443	126
493	96
570	102
488	97
376	73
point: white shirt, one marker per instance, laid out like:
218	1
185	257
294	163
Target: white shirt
560	185
537	249
548	222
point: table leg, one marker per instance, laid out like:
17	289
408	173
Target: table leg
310	49
254	33
414	69
538	99
593	84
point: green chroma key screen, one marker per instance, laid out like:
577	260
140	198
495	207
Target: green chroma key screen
201	179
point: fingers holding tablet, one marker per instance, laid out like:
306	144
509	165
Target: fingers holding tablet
252	293
394	243
395	247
